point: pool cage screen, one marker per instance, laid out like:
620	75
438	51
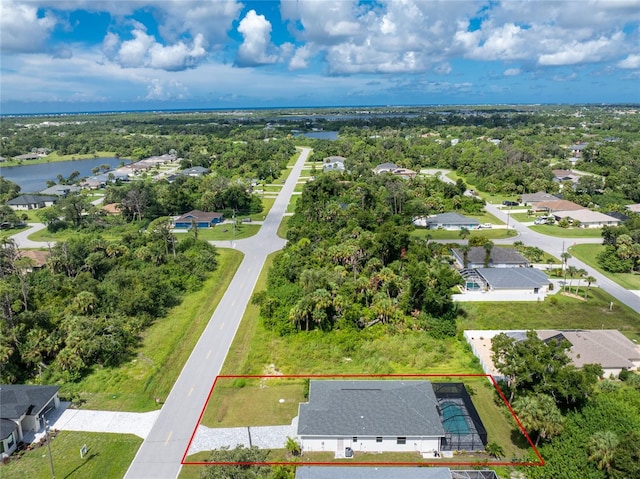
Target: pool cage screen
463	427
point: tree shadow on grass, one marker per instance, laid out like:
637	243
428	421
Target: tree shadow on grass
79	466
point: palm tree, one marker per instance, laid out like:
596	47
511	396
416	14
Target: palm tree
494	449
488	246
464	232
580	273
465	248
590	281
571	271
602	447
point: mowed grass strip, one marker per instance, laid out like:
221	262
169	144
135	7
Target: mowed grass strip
108	456
254	402
166	346
588	254
559	232
435	235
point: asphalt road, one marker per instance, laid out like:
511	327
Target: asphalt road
160	454
555	247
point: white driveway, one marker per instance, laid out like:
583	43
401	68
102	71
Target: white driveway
104	421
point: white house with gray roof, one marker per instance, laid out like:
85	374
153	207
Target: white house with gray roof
447	221
370	416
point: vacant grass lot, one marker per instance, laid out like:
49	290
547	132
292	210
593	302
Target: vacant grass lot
455	235
165	348
567	313
222	232
588	253
253	402
559	232
108	456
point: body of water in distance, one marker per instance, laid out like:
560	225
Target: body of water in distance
33	178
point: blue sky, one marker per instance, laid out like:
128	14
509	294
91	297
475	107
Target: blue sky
104	55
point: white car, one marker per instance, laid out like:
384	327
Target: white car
486	226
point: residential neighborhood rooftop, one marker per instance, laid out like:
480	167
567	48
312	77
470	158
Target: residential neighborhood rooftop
351	472
514	278
370	408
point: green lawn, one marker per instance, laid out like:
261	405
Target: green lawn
283	227
267	402
455	235
559	232
166	346
524	218
588	253
568	313
55	157
108	456
487	218
223	232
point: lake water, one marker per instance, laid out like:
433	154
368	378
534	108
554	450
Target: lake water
33	178
320	135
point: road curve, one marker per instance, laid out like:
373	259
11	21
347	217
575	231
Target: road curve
160	454
555	246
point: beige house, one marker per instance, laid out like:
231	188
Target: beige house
607	347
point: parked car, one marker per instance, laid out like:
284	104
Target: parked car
510	203
485	226
246	220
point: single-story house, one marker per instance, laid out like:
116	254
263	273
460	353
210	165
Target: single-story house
23	409
371	416
560	176
378	472
576	149
194	171
448	221
28	156
557	205
528	198
112	208
333	163
385	168
498	258
60	190
587	218
607	347
509	280
101	180
31	202
202	219
38	258
635	207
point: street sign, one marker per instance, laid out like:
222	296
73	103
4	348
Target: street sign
83	451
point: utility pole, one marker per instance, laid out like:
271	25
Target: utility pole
46	430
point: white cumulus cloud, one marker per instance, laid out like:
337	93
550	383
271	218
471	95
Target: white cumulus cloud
143	50
512	72
256	48
22	29
631	62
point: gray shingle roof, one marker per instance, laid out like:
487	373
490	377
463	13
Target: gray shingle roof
452	219
513	278
351	472
18	399
370	408
498	255
59	190
31	199
6	427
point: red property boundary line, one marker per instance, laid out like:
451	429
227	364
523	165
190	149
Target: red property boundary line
540	461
